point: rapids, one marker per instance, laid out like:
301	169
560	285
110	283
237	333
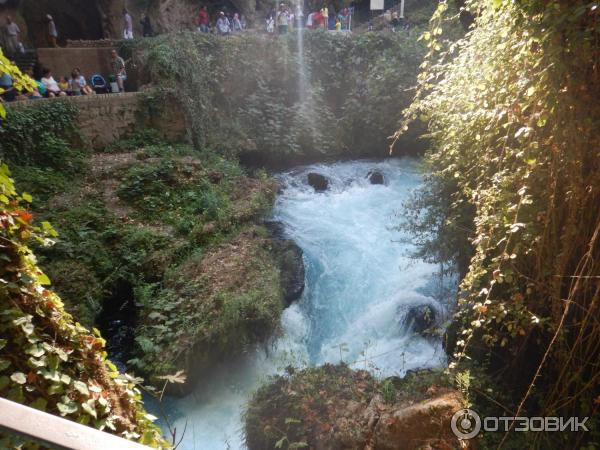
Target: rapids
360	282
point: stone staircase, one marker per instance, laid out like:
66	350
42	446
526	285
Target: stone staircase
25	61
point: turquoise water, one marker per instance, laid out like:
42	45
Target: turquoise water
360	281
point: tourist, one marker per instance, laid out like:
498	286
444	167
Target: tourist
85	88
147	30
395	20
117	65
52	33
41	89
309	20
13	31
344	17
235	23
6	85
387	18
338	25
270	24
282	20
318	21
325	16
127	25
243	22
74	86
52	88
63	83
203	20
223	25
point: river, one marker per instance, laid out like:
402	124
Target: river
360	282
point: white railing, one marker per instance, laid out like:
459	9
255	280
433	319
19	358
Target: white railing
56	432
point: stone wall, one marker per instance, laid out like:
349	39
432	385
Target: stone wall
103	119
63	60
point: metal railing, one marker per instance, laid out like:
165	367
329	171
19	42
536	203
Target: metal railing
56	432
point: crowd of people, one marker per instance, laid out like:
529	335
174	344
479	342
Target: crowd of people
73	84
282	19
285	18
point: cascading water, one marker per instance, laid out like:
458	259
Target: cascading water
360	283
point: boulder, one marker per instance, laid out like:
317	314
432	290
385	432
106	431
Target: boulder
289	258
420	318
319	182
376	177
425	424
291	266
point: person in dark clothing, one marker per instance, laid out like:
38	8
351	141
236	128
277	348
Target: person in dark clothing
147	30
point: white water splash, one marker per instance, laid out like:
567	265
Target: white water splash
360	283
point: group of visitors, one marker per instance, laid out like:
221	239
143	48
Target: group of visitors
224	25
326	18
147	29
12	33
392	19
74	84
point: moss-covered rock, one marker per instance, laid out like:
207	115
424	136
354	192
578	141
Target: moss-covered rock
336	407
213	305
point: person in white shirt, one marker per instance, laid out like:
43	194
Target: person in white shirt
52	33
127	25
51	85
12	35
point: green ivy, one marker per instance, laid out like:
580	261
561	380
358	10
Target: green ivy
47	360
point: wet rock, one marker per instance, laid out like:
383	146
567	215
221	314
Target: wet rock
291	264
420	318
376	177
319	182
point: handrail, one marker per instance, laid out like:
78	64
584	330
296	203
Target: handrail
56	432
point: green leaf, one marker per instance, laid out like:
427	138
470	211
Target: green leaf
88	408
43	279
81	387
67	408
19	377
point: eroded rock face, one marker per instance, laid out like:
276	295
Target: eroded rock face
319	182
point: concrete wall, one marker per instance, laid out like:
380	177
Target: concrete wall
103	119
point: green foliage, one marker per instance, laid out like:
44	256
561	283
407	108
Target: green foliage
135	220
512	198
37	142
139	139
222	300
20	81
248	95
47	360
